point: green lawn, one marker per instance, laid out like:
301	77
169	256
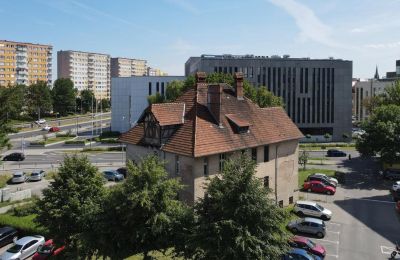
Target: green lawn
304	173
54	140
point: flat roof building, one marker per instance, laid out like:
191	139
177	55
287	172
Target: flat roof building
125	67
317	93
25	63
87	70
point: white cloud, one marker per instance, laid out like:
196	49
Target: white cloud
311	27
388	45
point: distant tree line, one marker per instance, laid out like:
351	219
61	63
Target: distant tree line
261	96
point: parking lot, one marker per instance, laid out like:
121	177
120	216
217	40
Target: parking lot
365	224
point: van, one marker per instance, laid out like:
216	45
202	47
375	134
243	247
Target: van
312	209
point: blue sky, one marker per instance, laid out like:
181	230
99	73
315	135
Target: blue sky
167	32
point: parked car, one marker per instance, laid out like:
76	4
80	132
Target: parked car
313	209
331	179
322	179
37	175
319	187
308	245
19	177
47	250
14	157
122	170
312	226
8	235
113	176
46	128
23	248
300	254
40	121
335	153
54	129
391	174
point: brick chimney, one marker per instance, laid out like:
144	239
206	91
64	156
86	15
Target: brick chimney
214	96
201	88
200	77
238	85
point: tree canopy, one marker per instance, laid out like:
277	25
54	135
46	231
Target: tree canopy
64	96
71	204
236	219
39	99
86	98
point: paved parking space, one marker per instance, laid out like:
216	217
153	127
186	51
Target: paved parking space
331	241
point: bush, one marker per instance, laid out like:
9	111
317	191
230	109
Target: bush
110	141
109	134
75	142
117	148
4	179
25	210
50	175
25	225
38	143
66	135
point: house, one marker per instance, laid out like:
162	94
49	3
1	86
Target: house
208	124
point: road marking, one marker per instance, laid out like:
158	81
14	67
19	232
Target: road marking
336	256
334	232
333	223
383	201
386	250
329	241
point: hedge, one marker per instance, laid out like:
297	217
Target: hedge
38	143
75	142
109	134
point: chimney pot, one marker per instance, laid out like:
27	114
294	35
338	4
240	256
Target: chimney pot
214	102
200	77
238	85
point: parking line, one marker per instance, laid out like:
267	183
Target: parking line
383	201
386	250
333	223
329	241
334	232
336	256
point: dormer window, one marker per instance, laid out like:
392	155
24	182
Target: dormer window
239	125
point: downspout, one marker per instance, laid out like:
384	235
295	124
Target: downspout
276	173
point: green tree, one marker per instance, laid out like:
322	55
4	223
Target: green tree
105	104
64	96
12	101
217	77
174	90
38	99
144	212
382	134
327	136
304	156
154	99
267	99
372	102
87	98
237	219
392	94
71	204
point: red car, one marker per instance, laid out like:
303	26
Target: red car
47	250
54	129
317	186
308	245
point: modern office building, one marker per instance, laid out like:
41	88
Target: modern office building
155	72
317	93
364	89
87	70
25	63
124	67
394	74
129	98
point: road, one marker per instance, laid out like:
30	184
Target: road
365	224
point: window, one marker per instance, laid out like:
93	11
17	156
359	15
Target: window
222	158
158	87
266	182
177	165
149	88
266	153
162	89
254	154
281	203
205	166
291	200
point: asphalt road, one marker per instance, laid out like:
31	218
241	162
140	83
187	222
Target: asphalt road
365	224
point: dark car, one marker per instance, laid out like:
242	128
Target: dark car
122	171
322	179
14	157
7	235
335	153
392	174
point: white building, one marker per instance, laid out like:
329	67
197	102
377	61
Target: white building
124	67
87	70
129	98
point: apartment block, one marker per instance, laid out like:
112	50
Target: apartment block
25	63
87	70
124	67
155	72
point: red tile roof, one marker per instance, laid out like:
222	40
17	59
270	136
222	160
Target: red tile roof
237	120
200	135
168	113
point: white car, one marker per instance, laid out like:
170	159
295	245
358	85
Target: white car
331	179
37	175
23	248
18	177
40	121
313	209
396	186
46	128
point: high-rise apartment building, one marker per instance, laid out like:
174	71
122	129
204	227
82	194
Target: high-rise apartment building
24	63
317	93
155	72
87	70
124	67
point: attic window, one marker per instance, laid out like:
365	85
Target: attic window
239	124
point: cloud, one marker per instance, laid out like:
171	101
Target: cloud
311	27
389	45
185	5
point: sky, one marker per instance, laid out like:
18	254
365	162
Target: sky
168	32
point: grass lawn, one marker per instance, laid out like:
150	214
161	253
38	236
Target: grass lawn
304	173
26	224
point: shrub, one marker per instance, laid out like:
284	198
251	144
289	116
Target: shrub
25	225
38	143
75	142
4	179
25	209
65	135
110	141
109	134
50	175
117	148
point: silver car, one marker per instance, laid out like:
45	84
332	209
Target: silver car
19	177
312	226
23	248
312	209
37	175
331	179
